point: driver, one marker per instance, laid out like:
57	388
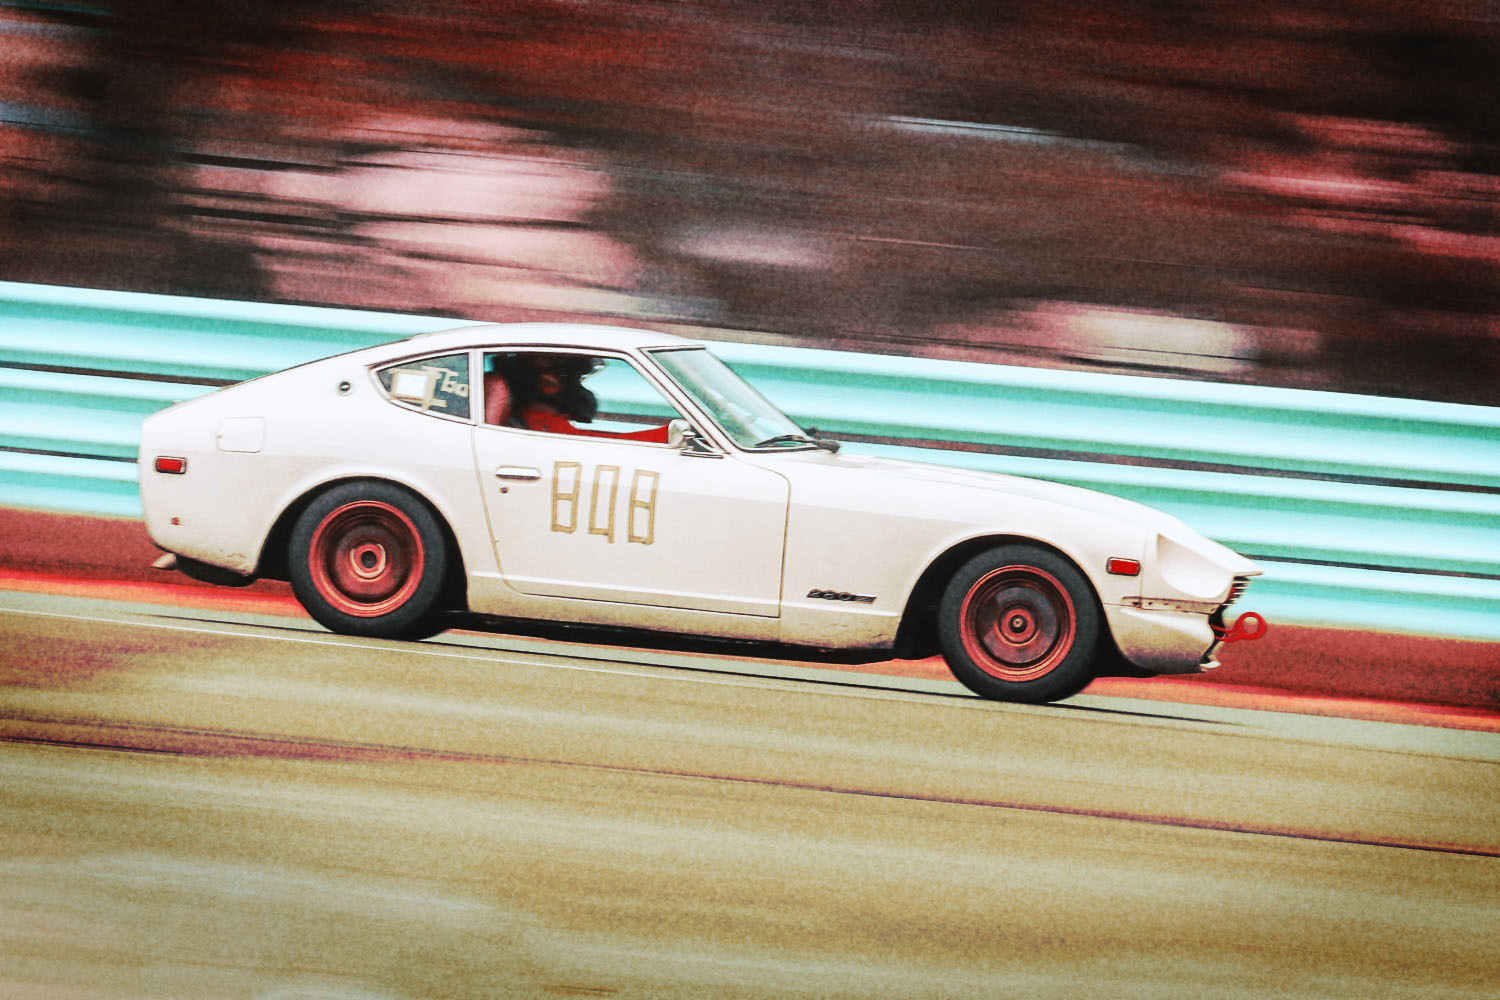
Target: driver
548	394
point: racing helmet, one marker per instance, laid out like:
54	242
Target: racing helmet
556	380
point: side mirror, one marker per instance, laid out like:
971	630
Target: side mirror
686	439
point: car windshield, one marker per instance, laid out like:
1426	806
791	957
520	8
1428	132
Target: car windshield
746	416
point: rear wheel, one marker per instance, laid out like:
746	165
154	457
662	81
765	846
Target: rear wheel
368	558
1020	623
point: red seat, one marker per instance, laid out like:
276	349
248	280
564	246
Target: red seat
497	402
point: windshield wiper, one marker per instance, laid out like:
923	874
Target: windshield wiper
816	442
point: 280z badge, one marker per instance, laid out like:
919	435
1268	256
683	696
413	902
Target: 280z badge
842	595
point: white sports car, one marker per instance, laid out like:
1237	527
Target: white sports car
623	478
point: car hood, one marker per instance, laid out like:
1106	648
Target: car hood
1074	497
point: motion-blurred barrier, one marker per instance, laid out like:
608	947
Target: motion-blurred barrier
1367	512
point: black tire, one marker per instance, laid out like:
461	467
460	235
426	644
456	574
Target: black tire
1020	623
369	558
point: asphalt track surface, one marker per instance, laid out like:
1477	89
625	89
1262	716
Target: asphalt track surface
210	803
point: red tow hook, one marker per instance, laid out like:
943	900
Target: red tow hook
1247	626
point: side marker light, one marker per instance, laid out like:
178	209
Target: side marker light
1123	567
174	466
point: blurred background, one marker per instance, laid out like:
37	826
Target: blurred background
1286	193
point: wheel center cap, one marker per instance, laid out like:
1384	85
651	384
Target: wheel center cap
367	560
1017	625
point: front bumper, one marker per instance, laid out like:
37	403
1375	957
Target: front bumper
1162	641
1179	637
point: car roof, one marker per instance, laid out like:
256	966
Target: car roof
582	335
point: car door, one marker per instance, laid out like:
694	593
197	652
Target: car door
607	518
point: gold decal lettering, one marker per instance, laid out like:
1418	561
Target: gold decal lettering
645	506
568	498
604	496
608	528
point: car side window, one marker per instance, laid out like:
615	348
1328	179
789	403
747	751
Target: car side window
568	393
431	385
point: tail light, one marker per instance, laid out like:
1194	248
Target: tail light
172	466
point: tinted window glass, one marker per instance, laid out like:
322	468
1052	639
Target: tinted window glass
584	394
432	385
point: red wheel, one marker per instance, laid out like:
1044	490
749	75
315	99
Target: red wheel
366	558
1017	623
1020	623
369	558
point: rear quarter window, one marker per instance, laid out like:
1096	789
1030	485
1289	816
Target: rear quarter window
432	385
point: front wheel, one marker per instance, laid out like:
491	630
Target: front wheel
368	558
1020	623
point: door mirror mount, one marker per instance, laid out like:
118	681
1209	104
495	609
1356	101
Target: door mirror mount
686	439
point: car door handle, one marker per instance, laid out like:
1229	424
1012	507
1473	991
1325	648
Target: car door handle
518	473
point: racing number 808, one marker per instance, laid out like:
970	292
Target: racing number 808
603	494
